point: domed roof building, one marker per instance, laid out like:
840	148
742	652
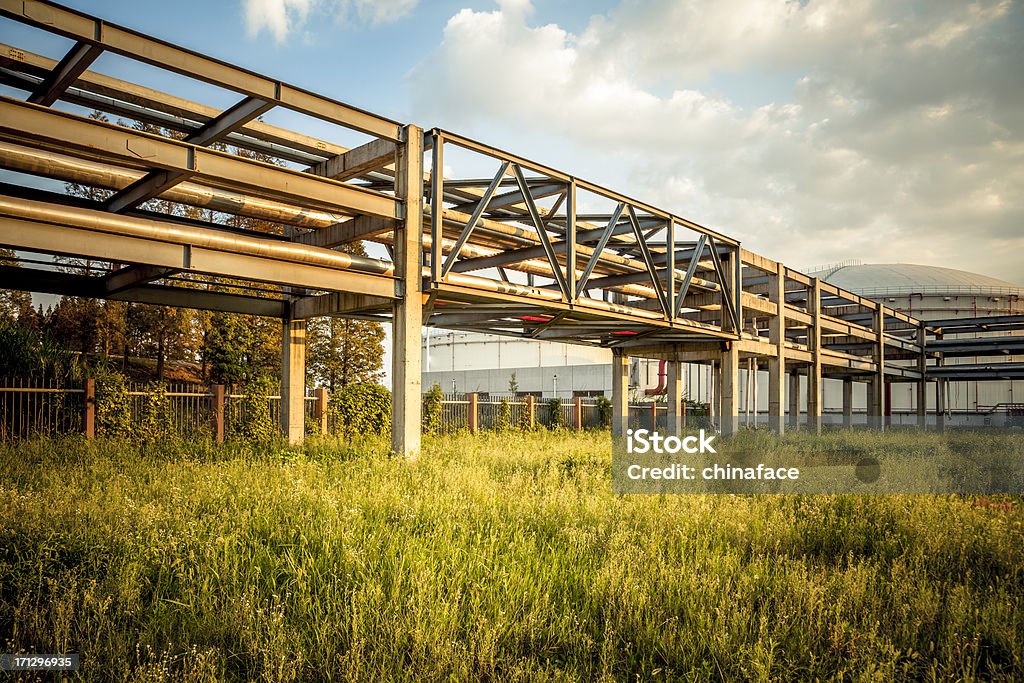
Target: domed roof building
928	292
933	293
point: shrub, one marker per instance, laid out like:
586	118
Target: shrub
555	419
504	421
113	405
254	424
363	409
155	423
604	411
433	401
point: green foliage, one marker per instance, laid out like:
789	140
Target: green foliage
155	420
113	404
503	423
343	351
27	353
254	423
604	411
555	418
513	384
242	349
514	560
433	402
526	421
363	409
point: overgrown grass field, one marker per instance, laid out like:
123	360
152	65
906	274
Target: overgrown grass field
491	557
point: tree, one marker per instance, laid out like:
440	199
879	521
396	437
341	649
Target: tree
341	352
241	348
14	304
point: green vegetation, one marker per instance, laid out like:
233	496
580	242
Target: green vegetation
500	557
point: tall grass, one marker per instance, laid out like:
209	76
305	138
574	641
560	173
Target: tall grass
492	557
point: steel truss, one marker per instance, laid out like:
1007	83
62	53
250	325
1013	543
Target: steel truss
526	250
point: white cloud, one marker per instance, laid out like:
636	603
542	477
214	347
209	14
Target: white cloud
283	17
814	131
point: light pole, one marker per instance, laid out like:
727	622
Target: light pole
554	385
453	386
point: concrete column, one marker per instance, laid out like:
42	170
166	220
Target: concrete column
847	402
877	386
675	397
940	396
814	370
620	392
293	380
730	380
922	384
407	312
794	399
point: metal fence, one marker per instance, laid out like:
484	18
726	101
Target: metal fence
42	407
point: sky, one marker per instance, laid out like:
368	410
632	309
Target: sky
816	131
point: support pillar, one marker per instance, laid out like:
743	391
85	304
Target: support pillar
794	399
730	379
814	369
293	380
407	326
620	392
876	389
675	397
940	396
922	383
847	402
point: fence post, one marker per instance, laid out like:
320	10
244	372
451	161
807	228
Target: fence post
577	412
531	413
320	414
654	416
474	416
89	409
684	415
217	412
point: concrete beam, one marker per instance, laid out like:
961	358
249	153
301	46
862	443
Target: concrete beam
407	318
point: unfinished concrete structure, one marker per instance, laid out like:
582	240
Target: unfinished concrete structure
522	249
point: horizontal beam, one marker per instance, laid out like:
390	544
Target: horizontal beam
72	284
82	27
64	73
356	161
333	303
63	132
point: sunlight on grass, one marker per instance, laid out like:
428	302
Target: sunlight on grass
499	556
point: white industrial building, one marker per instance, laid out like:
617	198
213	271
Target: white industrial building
470	361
